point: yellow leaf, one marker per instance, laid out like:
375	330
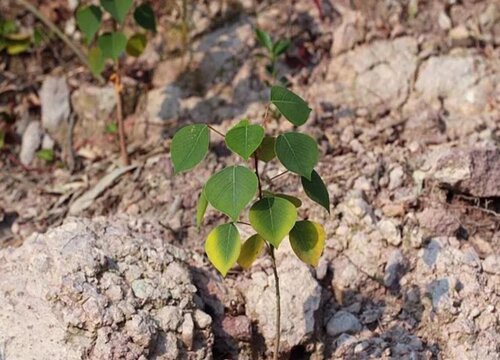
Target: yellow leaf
223	247
250	251
308	240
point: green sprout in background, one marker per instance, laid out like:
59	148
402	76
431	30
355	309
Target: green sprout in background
112	44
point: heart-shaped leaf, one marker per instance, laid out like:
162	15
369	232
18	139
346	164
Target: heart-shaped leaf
88	20
244	139
189	146
223	247
136	45
201	208
297	152
231	189
307	239
316	190
96	61
112	45
290	105
273	218
264	39
250	250
266	151
117	8
145	17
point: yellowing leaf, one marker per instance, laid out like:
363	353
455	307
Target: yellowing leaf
307	239
223	247
250	251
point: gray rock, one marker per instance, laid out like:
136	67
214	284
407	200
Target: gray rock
343	322
474	171
390	231
376	76
394	268
202	319
32	138
71	283
54	102
163	104
299	300
492	264
396	177
93	106
169	317
187	331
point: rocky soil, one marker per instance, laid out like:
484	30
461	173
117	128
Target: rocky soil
406	111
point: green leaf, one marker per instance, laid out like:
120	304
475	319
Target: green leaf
201	208
117	8
88	19
273	218
294	200
316	190
244	139
112	127
112	45
307	239
265	151
2	140
264	39
96	61
280	47
189	146
223	247
290	105
250	250
45	154
298	153
136	45
145	17
231	189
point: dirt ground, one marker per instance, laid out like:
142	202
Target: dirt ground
406	112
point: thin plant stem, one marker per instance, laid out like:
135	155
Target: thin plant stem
279	175
78	52
276	277
215	130
257	173
119	114
278	304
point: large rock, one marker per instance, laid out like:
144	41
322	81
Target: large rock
473	171
376	76
300	298
93	106
54	101
461	85
100	290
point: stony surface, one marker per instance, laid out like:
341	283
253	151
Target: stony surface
405	99
103	290
300	299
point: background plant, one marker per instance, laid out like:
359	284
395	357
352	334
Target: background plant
273	50
113	43
272	215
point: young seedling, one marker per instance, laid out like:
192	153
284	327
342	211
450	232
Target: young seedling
111	45
273	50
273	216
